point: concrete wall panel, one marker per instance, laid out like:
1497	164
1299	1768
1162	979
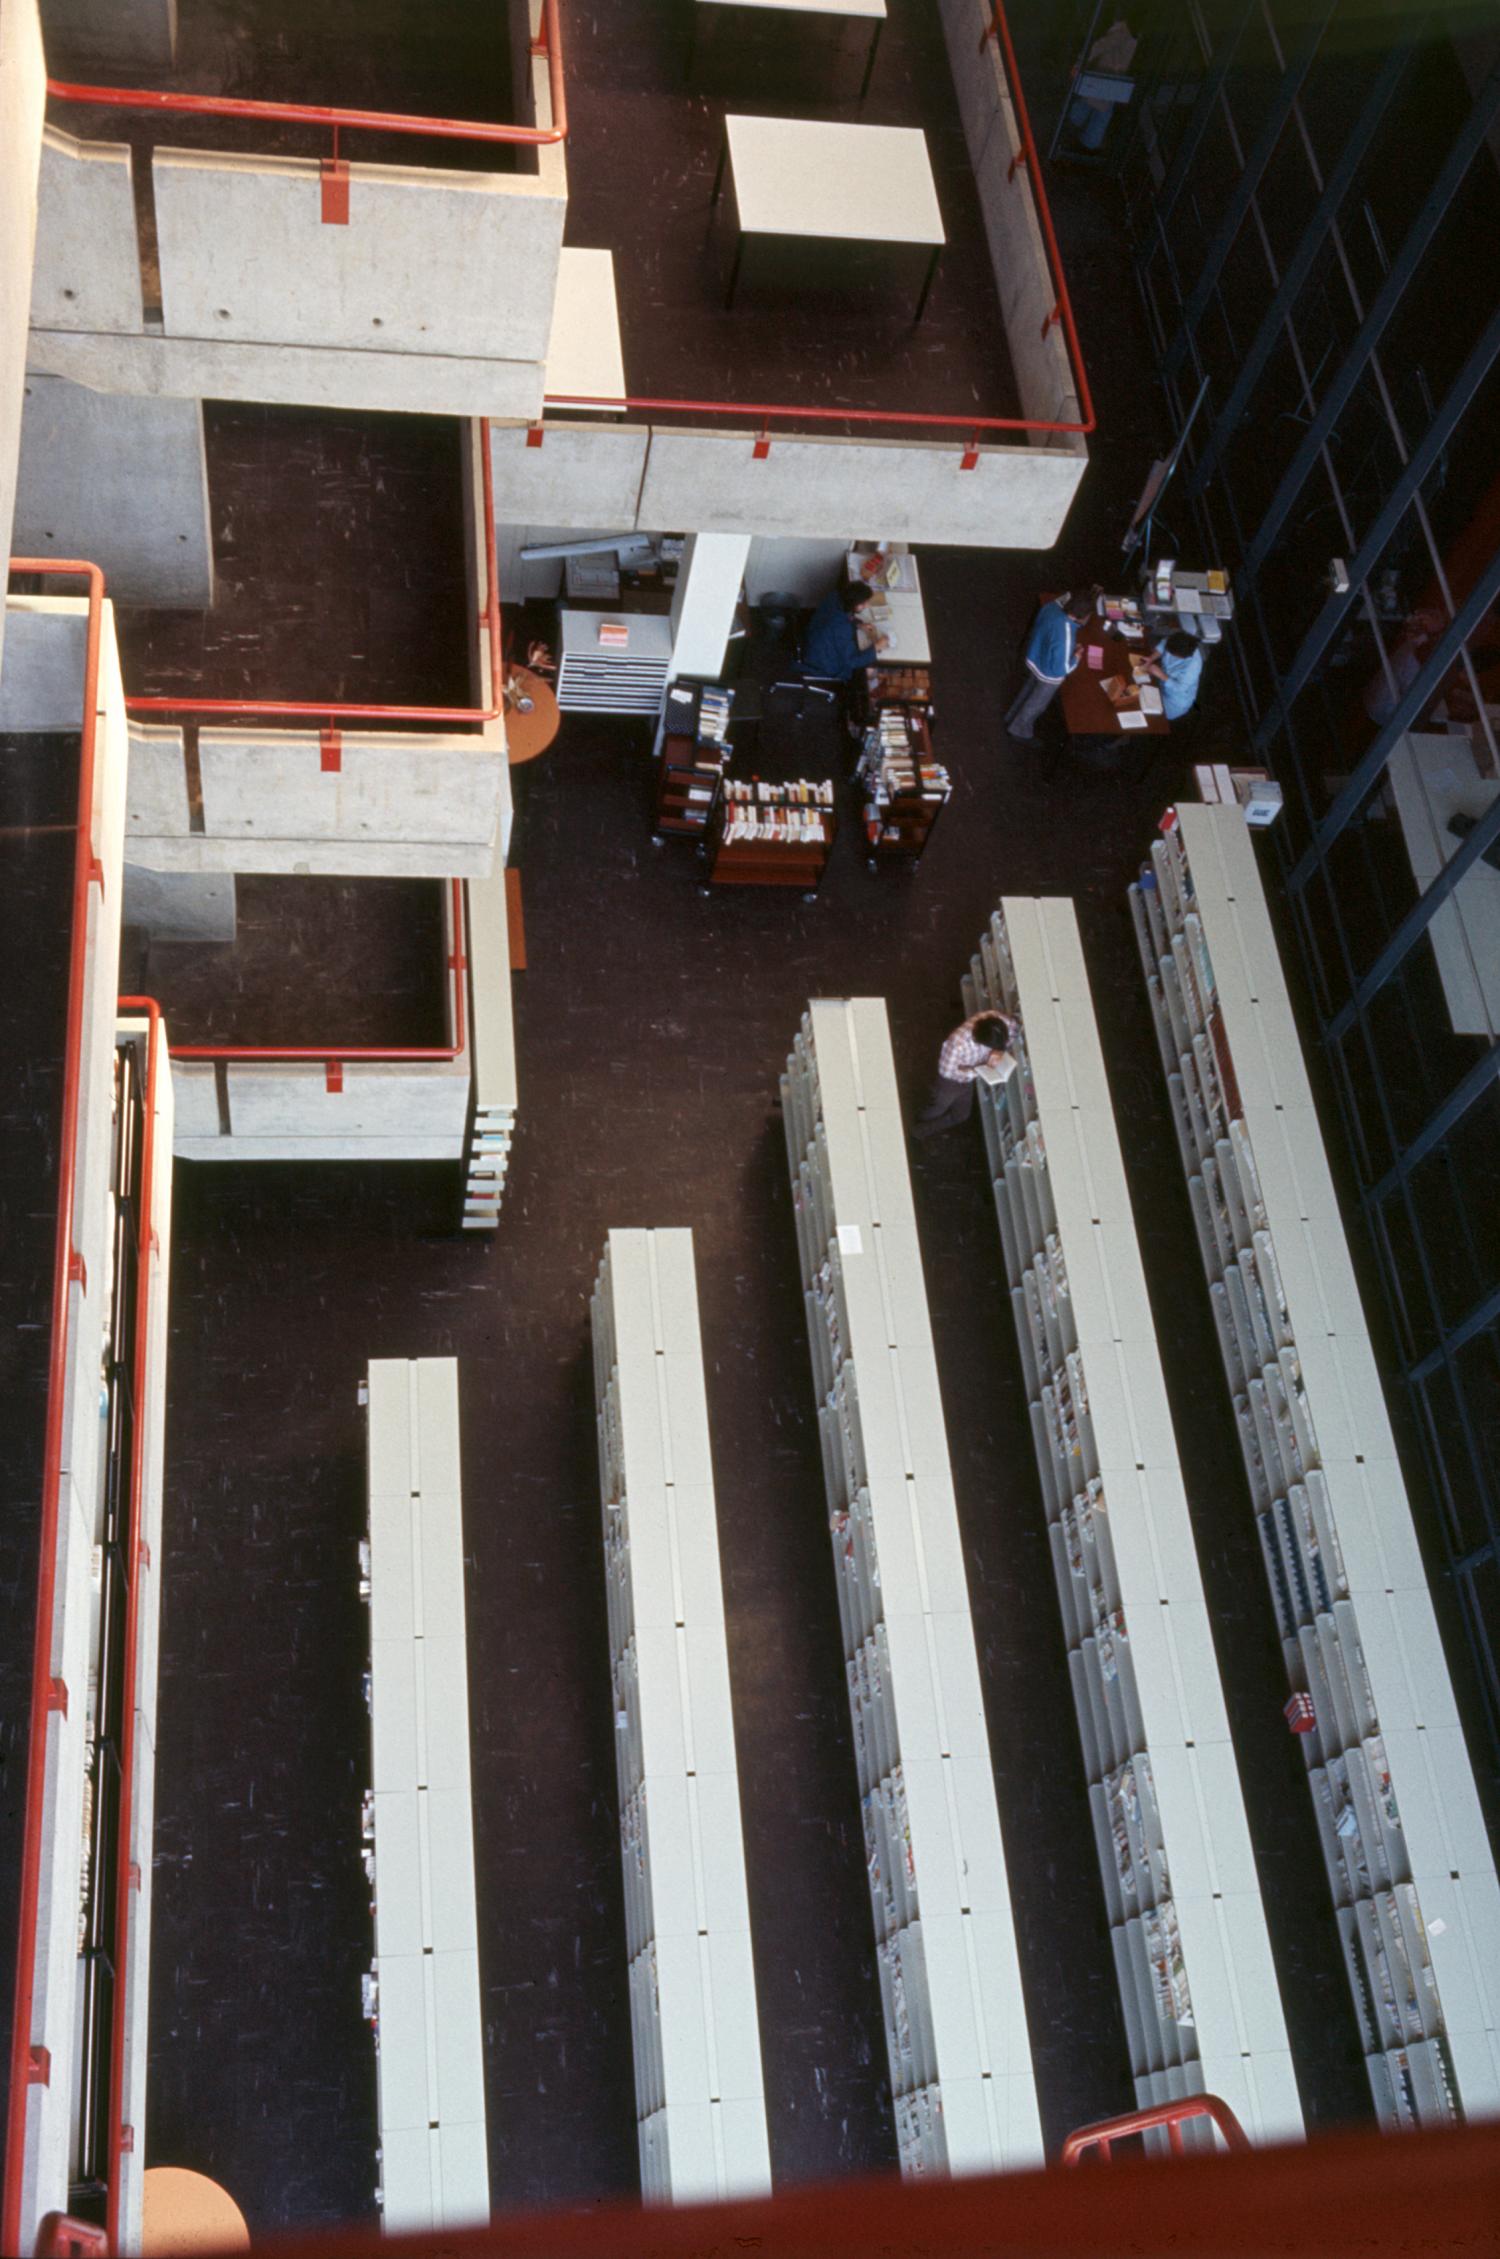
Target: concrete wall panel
1015	497
181	905
23	95
192	368
585	475
381	858
393	1103
156	793
42	686
413	790
194	1100
88	266
429	263
122	481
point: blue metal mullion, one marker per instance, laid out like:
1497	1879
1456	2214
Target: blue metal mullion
1372	763
1403	268
1484	1314
1314	236
1418	919
1439	1125
1252	172
1197	125
1455	405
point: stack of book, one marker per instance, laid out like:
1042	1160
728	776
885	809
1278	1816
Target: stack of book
905	785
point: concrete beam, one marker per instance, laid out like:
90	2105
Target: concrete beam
120	480
88	261
180	905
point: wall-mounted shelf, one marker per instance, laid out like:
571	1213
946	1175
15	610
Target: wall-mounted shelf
423	1995
960	2054
494	1051
700	2097
1197	1982
1403	1837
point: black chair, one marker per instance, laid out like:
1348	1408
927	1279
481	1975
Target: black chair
781	620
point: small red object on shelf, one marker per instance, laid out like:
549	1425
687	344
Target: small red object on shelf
1300	1714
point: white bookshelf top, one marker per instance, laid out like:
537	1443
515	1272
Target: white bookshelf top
493	1034
1091	1259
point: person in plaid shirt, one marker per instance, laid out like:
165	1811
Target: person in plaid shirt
983	1038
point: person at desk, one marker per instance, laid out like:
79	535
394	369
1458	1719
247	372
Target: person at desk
839	638
1050	657
1178	667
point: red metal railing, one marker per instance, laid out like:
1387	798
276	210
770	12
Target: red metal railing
127	1875
27	2062
321	114
765	413
1173	2116
336	1056
288	709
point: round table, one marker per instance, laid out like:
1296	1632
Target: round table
527	735
187	2212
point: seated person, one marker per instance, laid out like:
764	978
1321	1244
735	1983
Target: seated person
1178	667
839	640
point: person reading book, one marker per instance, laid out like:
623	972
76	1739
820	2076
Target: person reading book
840	636
979	1050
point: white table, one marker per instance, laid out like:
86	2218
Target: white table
906	629
872	12
1434	778
585	362
804	178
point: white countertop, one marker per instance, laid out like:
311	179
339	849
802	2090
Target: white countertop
872	11
906	628
850	183
585	361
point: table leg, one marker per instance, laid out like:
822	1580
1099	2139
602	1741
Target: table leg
870	60
932	267
719	173
734	272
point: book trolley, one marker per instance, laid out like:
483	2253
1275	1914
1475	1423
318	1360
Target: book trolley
422	1996
1188	1929
700	2097
955	2020
1409	1865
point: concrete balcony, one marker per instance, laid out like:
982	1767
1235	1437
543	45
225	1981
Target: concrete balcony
249	256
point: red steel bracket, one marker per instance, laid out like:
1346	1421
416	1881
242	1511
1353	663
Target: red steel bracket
57	1695
333	1074
331	749
534	435
762	447
335	180
78	1271
970	458
38	2066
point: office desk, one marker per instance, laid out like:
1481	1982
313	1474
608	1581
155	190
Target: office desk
1086	712
585	363
804	180
1433	778
905	631
872	12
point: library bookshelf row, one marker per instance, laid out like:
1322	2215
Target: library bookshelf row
962	2083
1408	1862
422	1996
700	2099
492	1125
1192	1953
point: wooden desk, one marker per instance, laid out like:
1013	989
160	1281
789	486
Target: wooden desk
1086	712
872	12
187	2213
803	179
527	735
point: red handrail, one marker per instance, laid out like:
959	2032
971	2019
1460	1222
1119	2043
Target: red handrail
333	1054
1172	2115
127	1880
549	43
305	710
86	870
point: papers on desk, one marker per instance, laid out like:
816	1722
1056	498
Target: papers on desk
1130	718
1150	698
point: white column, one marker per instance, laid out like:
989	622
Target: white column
708	588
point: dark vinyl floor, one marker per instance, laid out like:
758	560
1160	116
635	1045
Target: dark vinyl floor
641	166
313	961
38	808
339	562
651	1025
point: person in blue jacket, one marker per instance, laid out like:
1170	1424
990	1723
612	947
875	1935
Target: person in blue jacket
1050	657
838	642
1178	667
